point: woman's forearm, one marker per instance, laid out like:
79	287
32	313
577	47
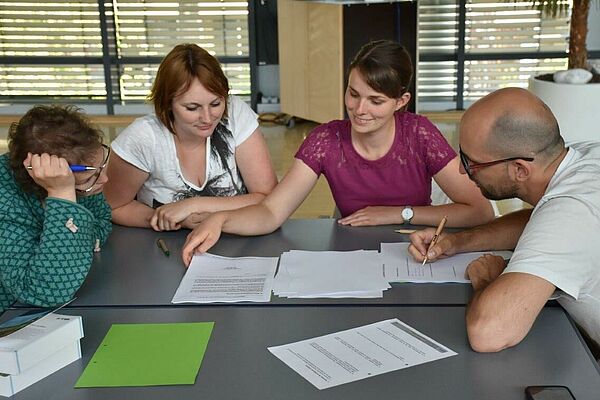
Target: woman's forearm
226	203
252	220
134	214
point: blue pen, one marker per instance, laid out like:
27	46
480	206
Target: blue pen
77	168
81	168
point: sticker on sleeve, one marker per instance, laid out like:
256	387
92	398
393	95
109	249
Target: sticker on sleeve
71	226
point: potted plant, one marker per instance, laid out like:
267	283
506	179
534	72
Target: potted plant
574	105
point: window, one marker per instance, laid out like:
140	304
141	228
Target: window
33	36
75	50
504	44
152	28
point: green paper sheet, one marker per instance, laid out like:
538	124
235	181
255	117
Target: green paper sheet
148	355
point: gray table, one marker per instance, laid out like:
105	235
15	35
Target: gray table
132	271
237	364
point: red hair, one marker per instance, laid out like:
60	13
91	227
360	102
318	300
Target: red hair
176	73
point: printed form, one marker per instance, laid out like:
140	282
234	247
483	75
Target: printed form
359	353
211	279
399	266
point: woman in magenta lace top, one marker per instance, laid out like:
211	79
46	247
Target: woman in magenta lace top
401	176
379	163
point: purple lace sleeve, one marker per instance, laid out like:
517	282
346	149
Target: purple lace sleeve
316	146
436	150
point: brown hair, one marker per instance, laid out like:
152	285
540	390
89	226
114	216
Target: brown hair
176	72
386	66
57	130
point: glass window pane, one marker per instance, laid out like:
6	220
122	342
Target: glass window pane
438	26
59	82
512	27
66	28
437	81
60	28
136	80
154	27
483	77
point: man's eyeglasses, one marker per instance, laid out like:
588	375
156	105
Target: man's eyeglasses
470	166
91	181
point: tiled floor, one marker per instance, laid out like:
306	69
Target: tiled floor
283	143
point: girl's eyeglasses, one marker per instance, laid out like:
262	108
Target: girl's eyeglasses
91	181
94	178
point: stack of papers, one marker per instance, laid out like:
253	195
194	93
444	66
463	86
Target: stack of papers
309	274
211	279
399	266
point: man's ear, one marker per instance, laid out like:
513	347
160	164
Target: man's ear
521	170
402	101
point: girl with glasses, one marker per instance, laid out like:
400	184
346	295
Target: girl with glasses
379	163
53	215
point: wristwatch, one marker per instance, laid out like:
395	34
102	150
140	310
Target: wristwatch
407	214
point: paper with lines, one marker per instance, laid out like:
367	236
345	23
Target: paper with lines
399	266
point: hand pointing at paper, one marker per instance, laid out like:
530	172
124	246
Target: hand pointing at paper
203	237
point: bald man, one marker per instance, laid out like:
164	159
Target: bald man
510	146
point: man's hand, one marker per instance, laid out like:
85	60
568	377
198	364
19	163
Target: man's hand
53	174
485	270
372	215
444	247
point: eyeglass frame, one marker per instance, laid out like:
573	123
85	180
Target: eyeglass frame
465	160
98	172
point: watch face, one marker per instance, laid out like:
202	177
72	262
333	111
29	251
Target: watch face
407	214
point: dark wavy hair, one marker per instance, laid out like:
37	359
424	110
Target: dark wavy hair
386	66
63	131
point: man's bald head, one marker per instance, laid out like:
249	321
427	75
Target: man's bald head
512	122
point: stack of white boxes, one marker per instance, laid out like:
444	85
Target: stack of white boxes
38	350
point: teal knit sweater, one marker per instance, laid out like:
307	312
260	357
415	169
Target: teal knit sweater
42	262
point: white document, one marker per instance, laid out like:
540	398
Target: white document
310	274
399	266
359	353
211	279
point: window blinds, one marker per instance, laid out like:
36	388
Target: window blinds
505	44
55	48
